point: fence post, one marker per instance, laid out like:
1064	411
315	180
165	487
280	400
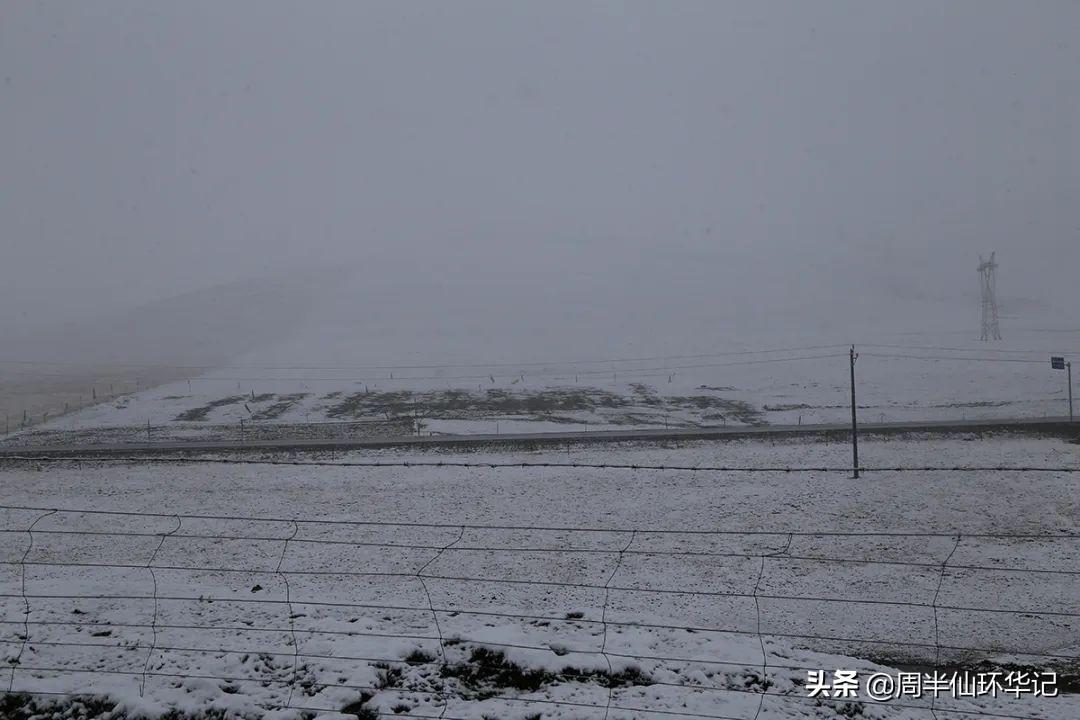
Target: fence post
854	423
1068	368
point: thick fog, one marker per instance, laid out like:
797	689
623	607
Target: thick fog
472	179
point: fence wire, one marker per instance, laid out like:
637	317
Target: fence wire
784	469
497	619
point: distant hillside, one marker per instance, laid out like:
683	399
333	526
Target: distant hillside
86	362
201	327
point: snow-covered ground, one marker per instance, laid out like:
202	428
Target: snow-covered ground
655	359
202	432
684	577
733	387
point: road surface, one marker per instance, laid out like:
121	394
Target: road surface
1041	426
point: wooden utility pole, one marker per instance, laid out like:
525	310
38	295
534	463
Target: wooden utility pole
1068	367
854	422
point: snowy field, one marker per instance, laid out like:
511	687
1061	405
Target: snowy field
727	388
568	592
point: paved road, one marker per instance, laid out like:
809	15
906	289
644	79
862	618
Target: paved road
1053	426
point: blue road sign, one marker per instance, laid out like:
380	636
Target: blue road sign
1057	363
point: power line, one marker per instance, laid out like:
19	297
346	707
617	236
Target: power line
523	364
533	363
487	376
953	357
970	350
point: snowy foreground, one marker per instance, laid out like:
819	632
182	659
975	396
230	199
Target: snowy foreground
564	592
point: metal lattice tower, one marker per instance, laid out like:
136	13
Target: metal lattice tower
987	286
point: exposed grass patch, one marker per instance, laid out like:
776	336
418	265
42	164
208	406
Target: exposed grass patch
548	404
462	404
360	709
198	414
419	657
388	676
975	404
737	410
646	394
488	672
16	706
786	407
284	402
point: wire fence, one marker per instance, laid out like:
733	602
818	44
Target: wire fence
413	391
983	353
414	619
494	465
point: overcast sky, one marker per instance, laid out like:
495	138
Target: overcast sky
153	148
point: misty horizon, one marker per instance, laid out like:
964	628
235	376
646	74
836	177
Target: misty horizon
782	157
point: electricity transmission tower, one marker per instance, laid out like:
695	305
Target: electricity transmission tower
987	285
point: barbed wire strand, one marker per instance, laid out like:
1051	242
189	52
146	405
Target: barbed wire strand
537	583
453	611
556	550
547	528
214	460
456	611
538	618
